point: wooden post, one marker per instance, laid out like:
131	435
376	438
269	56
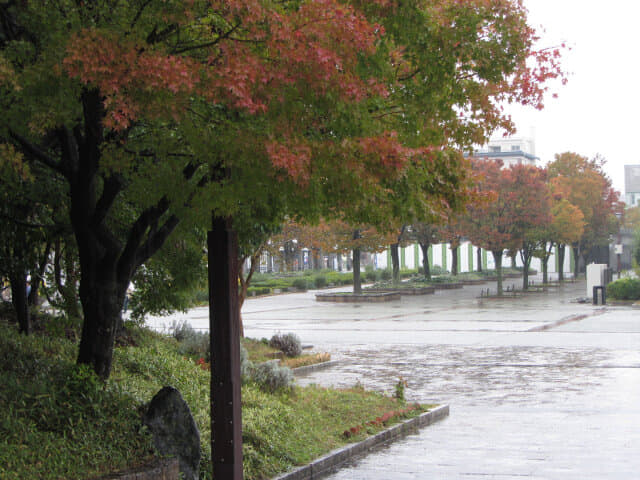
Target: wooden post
226	412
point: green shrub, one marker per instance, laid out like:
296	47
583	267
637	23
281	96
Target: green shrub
372	275
300	283
386	274
191	342
271	377
320	281
624	289
289	344
255	291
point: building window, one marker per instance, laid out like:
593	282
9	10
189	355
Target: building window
493	148
515	148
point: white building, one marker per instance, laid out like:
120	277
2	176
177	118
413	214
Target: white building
632	185
511	150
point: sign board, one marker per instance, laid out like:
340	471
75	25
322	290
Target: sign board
595	277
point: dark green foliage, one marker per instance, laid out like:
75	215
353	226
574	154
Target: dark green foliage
386	274
624	289
172	280
320	281
50	406
301	283
288	343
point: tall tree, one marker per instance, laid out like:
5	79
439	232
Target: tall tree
489	224
529	205
137	105
585	185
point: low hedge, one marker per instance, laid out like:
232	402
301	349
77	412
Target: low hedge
624	289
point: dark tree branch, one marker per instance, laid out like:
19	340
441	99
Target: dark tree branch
113	185
155	241
139	13
136	234
35	152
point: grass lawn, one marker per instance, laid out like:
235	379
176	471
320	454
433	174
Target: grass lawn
59	421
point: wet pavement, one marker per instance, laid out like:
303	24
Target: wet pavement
540	387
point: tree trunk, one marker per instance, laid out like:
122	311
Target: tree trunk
102	299
545	269
479	259
425	260
525	255
561	249
357	284
576	258
37	276
454	259
497	257
395	262
19	301
254	261
339	258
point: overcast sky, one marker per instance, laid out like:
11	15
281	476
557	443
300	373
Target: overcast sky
597	111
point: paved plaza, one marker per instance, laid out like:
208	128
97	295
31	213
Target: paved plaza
540	387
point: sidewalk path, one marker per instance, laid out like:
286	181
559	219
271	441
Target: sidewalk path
527	401
562	403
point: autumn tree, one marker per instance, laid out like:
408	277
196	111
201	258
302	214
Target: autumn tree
583	183
489	223
529	207
565	228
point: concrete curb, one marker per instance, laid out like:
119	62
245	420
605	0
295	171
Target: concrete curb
323	465
314	367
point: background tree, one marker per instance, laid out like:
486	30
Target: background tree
529	206
425	234
490	223
584	184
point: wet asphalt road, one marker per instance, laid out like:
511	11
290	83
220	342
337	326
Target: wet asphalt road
540	387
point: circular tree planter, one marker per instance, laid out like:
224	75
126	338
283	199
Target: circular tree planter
447	286
358	298
404	291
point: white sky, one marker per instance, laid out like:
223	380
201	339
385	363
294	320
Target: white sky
596	112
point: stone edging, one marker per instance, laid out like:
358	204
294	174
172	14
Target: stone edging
324	465
357	297
314	367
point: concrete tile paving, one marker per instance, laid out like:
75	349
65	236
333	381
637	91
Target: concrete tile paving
526	403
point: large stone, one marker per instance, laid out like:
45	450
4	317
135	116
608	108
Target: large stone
174	431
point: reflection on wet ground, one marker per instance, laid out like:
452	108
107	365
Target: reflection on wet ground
539	387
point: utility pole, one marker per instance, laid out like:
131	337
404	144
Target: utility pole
226	410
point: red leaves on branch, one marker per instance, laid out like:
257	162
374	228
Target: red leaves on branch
124	71
314	48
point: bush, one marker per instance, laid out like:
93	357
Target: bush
271	377
624	289
386	274
289	344
320	281
300	283
246	366
191	342
372	275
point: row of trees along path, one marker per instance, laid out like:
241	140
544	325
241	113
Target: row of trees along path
127	126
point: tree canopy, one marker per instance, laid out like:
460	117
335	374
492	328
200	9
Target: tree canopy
157	113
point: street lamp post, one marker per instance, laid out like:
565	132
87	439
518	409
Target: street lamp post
618	248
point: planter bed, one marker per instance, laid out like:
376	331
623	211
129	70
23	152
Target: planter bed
479	281
358	298
447	286
404	291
